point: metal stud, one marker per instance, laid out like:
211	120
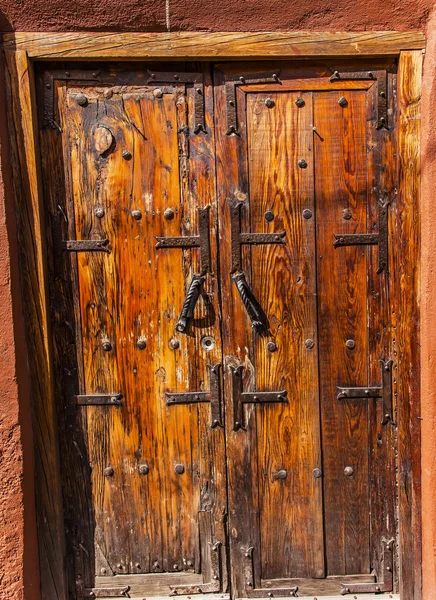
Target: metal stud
169	214
106	345
346	214
269	103
81	100
108	471
271	346
282	474
300	102
307	213
99	212
157	93
136	214
302	163
309	343
127	155
348	471
141	344
208	343
317	473
174	344
351	344
189	563
342	101
179	469
143	469
269	216
108	93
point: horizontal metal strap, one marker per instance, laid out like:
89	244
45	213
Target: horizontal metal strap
99	399
186	397
359	392
258	397
86	245
356	239
262	238
187	241
121	592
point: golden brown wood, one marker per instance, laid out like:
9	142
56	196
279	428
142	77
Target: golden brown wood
340	183
406	280
33	274
209	46
284	282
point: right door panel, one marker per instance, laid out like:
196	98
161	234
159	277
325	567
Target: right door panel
303	199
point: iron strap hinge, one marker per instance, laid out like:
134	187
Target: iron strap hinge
234	81
86	245
371	239
239	397
213	396
380	77
109	592
98	400
384	392
385	583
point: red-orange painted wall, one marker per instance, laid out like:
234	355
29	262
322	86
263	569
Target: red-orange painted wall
18	554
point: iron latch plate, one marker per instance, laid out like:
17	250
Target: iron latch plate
385	583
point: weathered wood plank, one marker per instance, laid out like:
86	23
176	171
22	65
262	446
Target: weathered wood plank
284	282
209	46
340	184
406	279
33	275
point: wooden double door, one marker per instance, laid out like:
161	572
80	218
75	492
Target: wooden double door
218	245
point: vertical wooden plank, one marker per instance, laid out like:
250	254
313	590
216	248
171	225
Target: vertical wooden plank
340	184
27	184
406	278
284	282
232	182
382	187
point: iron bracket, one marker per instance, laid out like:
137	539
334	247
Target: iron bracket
371	239
49	78
216	576
384	392
212	396
186	78
250	590
385	583
98	400
109	592
239	397
380	77
85	245
201	241
234	81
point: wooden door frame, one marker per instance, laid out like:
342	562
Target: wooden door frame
23	49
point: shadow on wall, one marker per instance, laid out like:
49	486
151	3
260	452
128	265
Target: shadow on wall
5	24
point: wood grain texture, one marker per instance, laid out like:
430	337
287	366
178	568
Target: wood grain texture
284	282
207	46
33	276
406	279
340	183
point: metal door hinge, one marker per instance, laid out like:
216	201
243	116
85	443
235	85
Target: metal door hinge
385	582
213	396
239	397
98	400
109	592
234	81
380	78
86	245
251	591
371	239
384	392
216	576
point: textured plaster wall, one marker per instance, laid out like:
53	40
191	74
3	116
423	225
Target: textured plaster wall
17	527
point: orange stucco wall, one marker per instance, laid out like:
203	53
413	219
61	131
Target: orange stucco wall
18	551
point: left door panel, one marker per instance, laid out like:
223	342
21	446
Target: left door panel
141	405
